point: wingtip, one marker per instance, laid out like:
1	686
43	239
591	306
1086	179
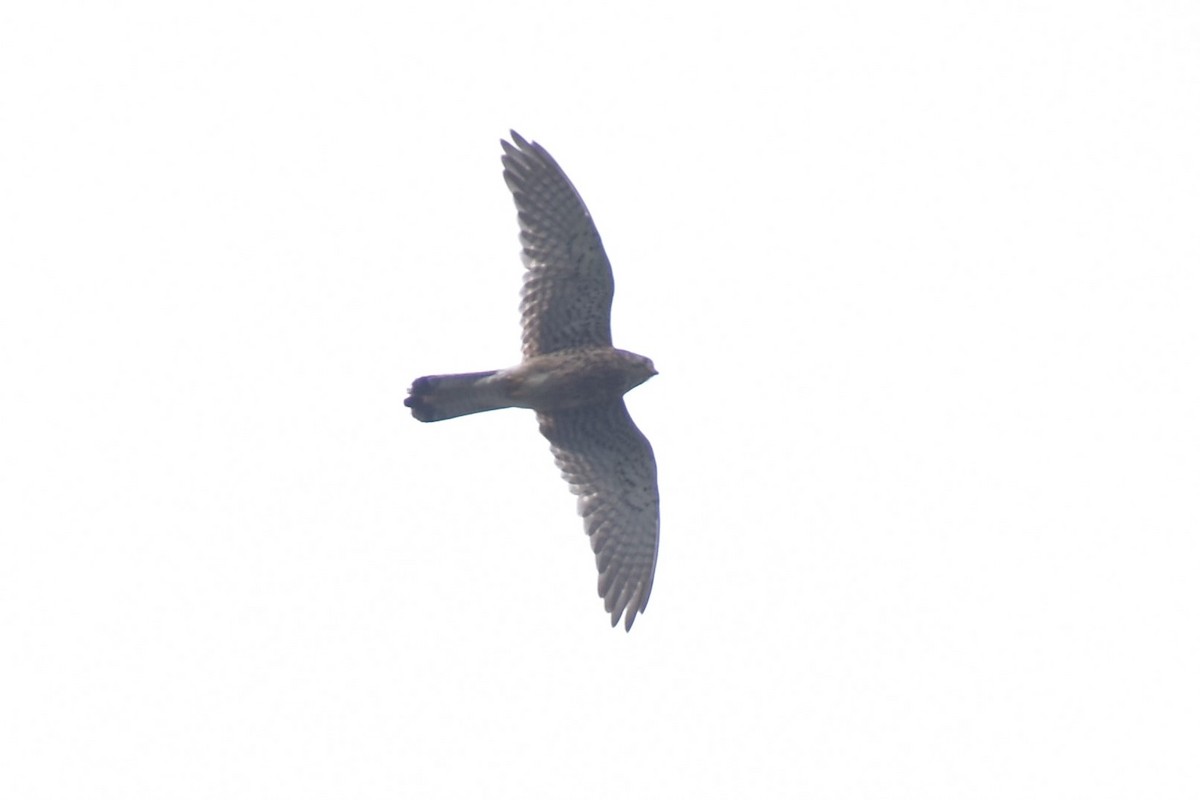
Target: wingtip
518	143
513	158
630	615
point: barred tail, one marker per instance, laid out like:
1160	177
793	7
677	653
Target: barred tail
437	397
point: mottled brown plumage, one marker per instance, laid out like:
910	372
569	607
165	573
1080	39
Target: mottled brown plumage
572	376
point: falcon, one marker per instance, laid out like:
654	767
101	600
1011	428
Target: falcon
572	377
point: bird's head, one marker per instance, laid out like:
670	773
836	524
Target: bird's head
641	369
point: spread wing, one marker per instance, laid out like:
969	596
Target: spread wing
567	295
610	465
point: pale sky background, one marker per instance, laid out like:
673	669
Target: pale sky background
922	281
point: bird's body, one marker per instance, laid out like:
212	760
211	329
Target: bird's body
572	376
557	381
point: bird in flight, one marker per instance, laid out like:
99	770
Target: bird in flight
572	376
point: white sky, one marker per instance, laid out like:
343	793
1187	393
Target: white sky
921	281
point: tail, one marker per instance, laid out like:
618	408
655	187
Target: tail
436	397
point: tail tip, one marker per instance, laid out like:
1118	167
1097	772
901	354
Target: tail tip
418	400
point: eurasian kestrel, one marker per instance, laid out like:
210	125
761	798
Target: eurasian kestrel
572	376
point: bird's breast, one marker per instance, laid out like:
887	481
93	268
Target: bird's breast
569	379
